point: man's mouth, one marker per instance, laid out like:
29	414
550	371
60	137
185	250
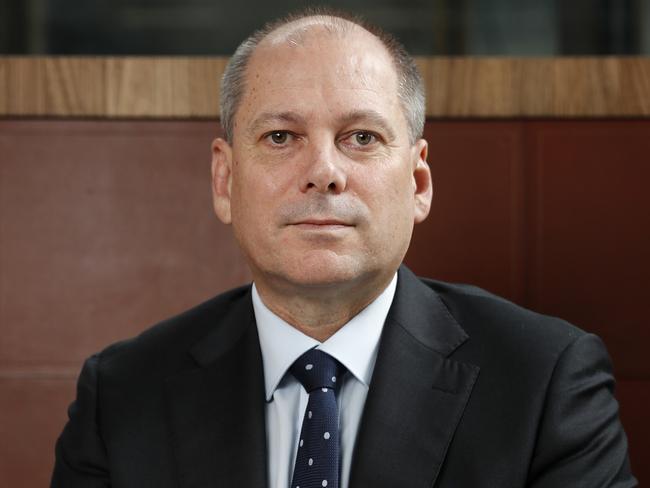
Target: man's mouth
321	224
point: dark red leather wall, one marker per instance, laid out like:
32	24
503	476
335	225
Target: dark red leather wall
106	227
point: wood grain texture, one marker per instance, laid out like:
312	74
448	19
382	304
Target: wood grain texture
163	87
537	87
187	87
52	86
4	90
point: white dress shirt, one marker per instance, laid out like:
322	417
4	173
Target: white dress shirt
354	345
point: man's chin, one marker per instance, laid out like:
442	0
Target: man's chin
322	273
317	277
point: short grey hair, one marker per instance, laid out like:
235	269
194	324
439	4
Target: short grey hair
410	85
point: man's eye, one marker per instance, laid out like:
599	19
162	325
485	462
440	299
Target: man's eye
364	138
278	137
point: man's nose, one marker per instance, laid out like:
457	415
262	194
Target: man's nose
324	171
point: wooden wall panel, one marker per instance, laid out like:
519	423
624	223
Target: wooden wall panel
456	87
106	227
53	86
539	87
32	414
4	87
474	231
163	87
589	231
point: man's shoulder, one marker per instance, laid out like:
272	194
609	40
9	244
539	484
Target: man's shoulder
493	321
165	345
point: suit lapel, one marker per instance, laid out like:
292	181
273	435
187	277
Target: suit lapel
216	411
417	394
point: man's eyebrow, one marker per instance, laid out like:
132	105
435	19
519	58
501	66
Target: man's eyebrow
369	116
266	117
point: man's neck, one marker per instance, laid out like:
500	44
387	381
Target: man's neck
320	312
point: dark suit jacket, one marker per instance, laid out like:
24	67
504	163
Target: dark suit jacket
468	391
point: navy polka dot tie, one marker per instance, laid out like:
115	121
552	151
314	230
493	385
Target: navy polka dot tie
317	457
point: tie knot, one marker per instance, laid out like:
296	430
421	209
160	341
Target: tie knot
317	369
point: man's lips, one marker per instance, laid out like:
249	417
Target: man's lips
321	224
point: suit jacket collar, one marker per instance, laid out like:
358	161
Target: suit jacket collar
236	322
420	312
216	411
417	394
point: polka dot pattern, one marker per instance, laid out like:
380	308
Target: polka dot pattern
317	458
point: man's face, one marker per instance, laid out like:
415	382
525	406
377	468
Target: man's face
321	183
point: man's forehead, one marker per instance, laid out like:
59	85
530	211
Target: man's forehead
332	90
315	44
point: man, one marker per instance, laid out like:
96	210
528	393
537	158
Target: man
338	367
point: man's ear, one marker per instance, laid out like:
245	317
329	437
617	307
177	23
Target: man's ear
221	179
422	181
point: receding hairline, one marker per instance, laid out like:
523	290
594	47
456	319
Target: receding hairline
297	31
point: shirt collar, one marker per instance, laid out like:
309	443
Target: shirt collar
354	345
